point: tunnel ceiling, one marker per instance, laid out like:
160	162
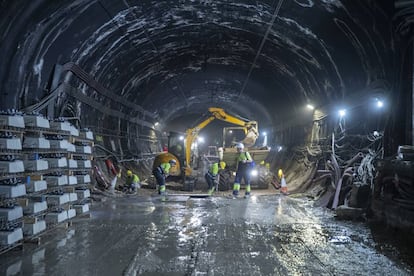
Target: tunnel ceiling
263	60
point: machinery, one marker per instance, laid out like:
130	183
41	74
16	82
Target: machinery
181	148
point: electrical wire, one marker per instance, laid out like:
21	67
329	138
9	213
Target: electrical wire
259	51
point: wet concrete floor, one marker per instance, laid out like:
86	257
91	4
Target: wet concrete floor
263	235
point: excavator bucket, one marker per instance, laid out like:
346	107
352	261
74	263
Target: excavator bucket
250	138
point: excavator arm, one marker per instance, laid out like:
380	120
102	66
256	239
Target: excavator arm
250	130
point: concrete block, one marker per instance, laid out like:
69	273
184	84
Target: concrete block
86	135
12	191
35	207
30	229
72	180
36	165
74	131
12	121
73	197
36	186
73	164
57	162
71	147
84	164
59	144
36	121
81	208
84	178
56	217
35	143
53	181
11	214
10	237
82	194
84	149
10	143
71	213
60	126
57	199
11	166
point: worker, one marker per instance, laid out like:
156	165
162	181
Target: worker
161	172
211	175
244	164
131	183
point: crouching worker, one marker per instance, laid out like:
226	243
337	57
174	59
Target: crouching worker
161	172
212	174
131	183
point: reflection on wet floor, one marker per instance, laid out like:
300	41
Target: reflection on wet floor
264	235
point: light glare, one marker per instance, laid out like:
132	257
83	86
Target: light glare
310	107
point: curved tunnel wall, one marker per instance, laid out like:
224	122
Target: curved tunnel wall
263	60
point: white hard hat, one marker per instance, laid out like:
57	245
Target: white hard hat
239	146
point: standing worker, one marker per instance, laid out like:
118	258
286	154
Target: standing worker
243	171
131	183
161	172
211	175
283	185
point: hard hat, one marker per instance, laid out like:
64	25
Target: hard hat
129	173
239	146
220	149
172	162
222	165
280	173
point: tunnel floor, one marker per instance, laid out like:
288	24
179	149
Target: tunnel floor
263	235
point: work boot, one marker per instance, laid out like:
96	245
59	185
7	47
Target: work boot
247	195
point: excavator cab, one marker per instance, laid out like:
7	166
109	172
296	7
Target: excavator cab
176	146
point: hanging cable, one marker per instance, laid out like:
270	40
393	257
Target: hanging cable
260	49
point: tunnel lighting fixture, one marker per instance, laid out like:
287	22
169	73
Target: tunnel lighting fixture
200	139
156	124
310	107
264	133
380	103
376	133
181	138
279	148
230	131
342	113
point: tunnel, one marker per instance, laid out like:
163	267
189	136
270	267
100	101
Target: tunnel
328	81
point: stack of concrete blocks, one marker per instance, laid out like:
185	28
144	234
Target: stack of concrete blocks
35	142
33	222
35	205
84	148
56	203
7	216
11	169
10	144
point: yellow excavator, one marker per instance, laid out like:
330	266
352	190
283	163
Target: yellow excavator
249	127
180	148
